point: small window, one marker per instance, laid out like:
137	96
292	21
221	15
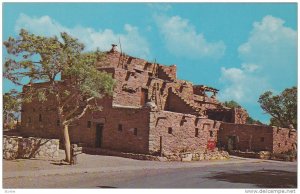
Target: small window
40	117
89	124
170	130
135	131
279	145
262	139
211	133
58	122
120	127
196	132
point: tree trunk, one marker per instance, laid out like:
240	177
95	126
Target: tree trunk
67	143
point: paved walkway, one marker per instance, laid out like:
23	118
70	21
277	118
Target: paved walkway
96	163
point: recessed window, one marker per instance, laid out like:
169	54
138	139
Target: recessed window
279	145
58	122
211	133
40	117
135	131
89	124
262	139
120	127
215	123
196	132
170	130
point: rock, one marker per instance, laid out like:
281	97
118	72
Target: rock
162	159
56	154
201	157
188	157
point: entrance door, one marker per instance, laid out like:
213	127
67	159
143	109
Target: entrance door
231	143
99	130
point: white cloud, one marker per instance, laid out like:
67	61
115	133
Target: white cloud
132	42
182	39
273	47
160	6
269	62
241	84
250	67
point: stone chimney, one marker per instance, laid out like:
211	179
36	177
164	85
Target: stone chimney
113	48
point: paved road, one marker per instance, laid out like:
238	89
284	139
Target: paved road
238	175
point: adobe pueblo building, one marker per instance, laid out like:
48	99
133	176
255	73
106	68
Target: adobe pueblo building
151	112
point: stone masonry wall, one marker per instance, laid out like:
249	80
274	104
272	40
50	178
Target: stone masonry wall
247	137
39	119
128	87
175	104
124	129
239	116
257	137
180	132
284	139
32	147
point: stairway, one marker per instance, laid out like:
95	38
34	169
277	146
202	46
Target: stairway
197	110
170	78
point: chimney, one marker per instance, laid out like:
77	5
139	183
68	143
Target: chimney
113	48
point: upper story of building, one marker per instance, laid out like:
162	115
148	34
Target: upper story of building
141	83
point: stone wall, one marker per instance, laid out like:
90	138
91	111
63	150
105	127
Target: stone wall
176	104
256	138
32	147
180	133
101	151
239	116
246	137
39	119
124	129
284	139
128	91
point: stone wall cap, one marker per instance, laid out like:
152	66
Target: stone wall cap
123	106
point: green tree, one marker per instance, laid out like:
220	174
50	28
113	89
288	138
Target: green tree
11	107
232	104
250	120
45	59
282	107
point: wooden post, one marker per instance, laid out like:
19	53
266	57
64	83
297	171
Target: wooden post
160	146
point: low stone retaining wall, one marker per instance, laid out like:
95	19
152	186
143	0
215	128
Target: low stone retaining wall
266	155
245	154
100	151
33	147
212	155
185	157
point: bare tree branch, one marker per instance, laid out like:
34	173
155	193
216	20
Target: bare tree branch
78	116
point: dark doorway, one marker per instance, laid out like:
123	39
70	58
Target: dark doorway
144	96
231	144
99	131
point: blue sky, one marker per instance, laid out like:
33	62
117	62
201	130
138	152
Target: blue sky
242	49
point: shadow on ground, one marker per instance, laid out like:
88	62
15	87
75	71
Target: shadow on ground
261	178
60	163
106	187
